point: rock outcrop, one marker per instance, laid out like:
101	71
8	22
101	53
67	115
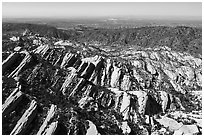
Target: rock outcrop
26	119
75	93
47	128
12	101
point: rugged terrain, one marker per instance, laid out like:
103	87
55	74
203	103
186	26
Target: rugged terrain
101	81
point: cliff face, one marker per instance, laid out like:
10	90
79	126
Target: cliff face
80	89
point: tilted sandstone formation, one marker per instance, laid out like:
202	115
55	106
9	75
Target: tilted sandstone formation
26	119
99	94
43	129
12	101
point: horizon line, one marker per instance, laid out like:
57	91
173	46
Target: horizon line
107	17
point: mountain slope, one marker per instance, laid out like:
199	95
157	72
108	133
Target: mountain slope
179	38
43	30
52	86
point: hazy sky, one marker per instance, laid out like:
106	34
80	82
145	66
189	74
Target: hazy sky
67	10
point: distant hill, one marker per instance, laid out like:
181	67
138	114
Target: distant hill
180	38
44	30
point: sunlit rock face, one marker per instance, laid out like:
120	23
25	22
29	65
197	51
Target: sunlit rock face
65	87
126	83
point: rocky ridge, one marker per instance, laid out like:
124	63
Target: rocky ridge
73	88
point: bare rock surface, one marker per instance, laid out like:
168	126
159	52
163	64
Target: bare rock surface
187	130
172	124
26	119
